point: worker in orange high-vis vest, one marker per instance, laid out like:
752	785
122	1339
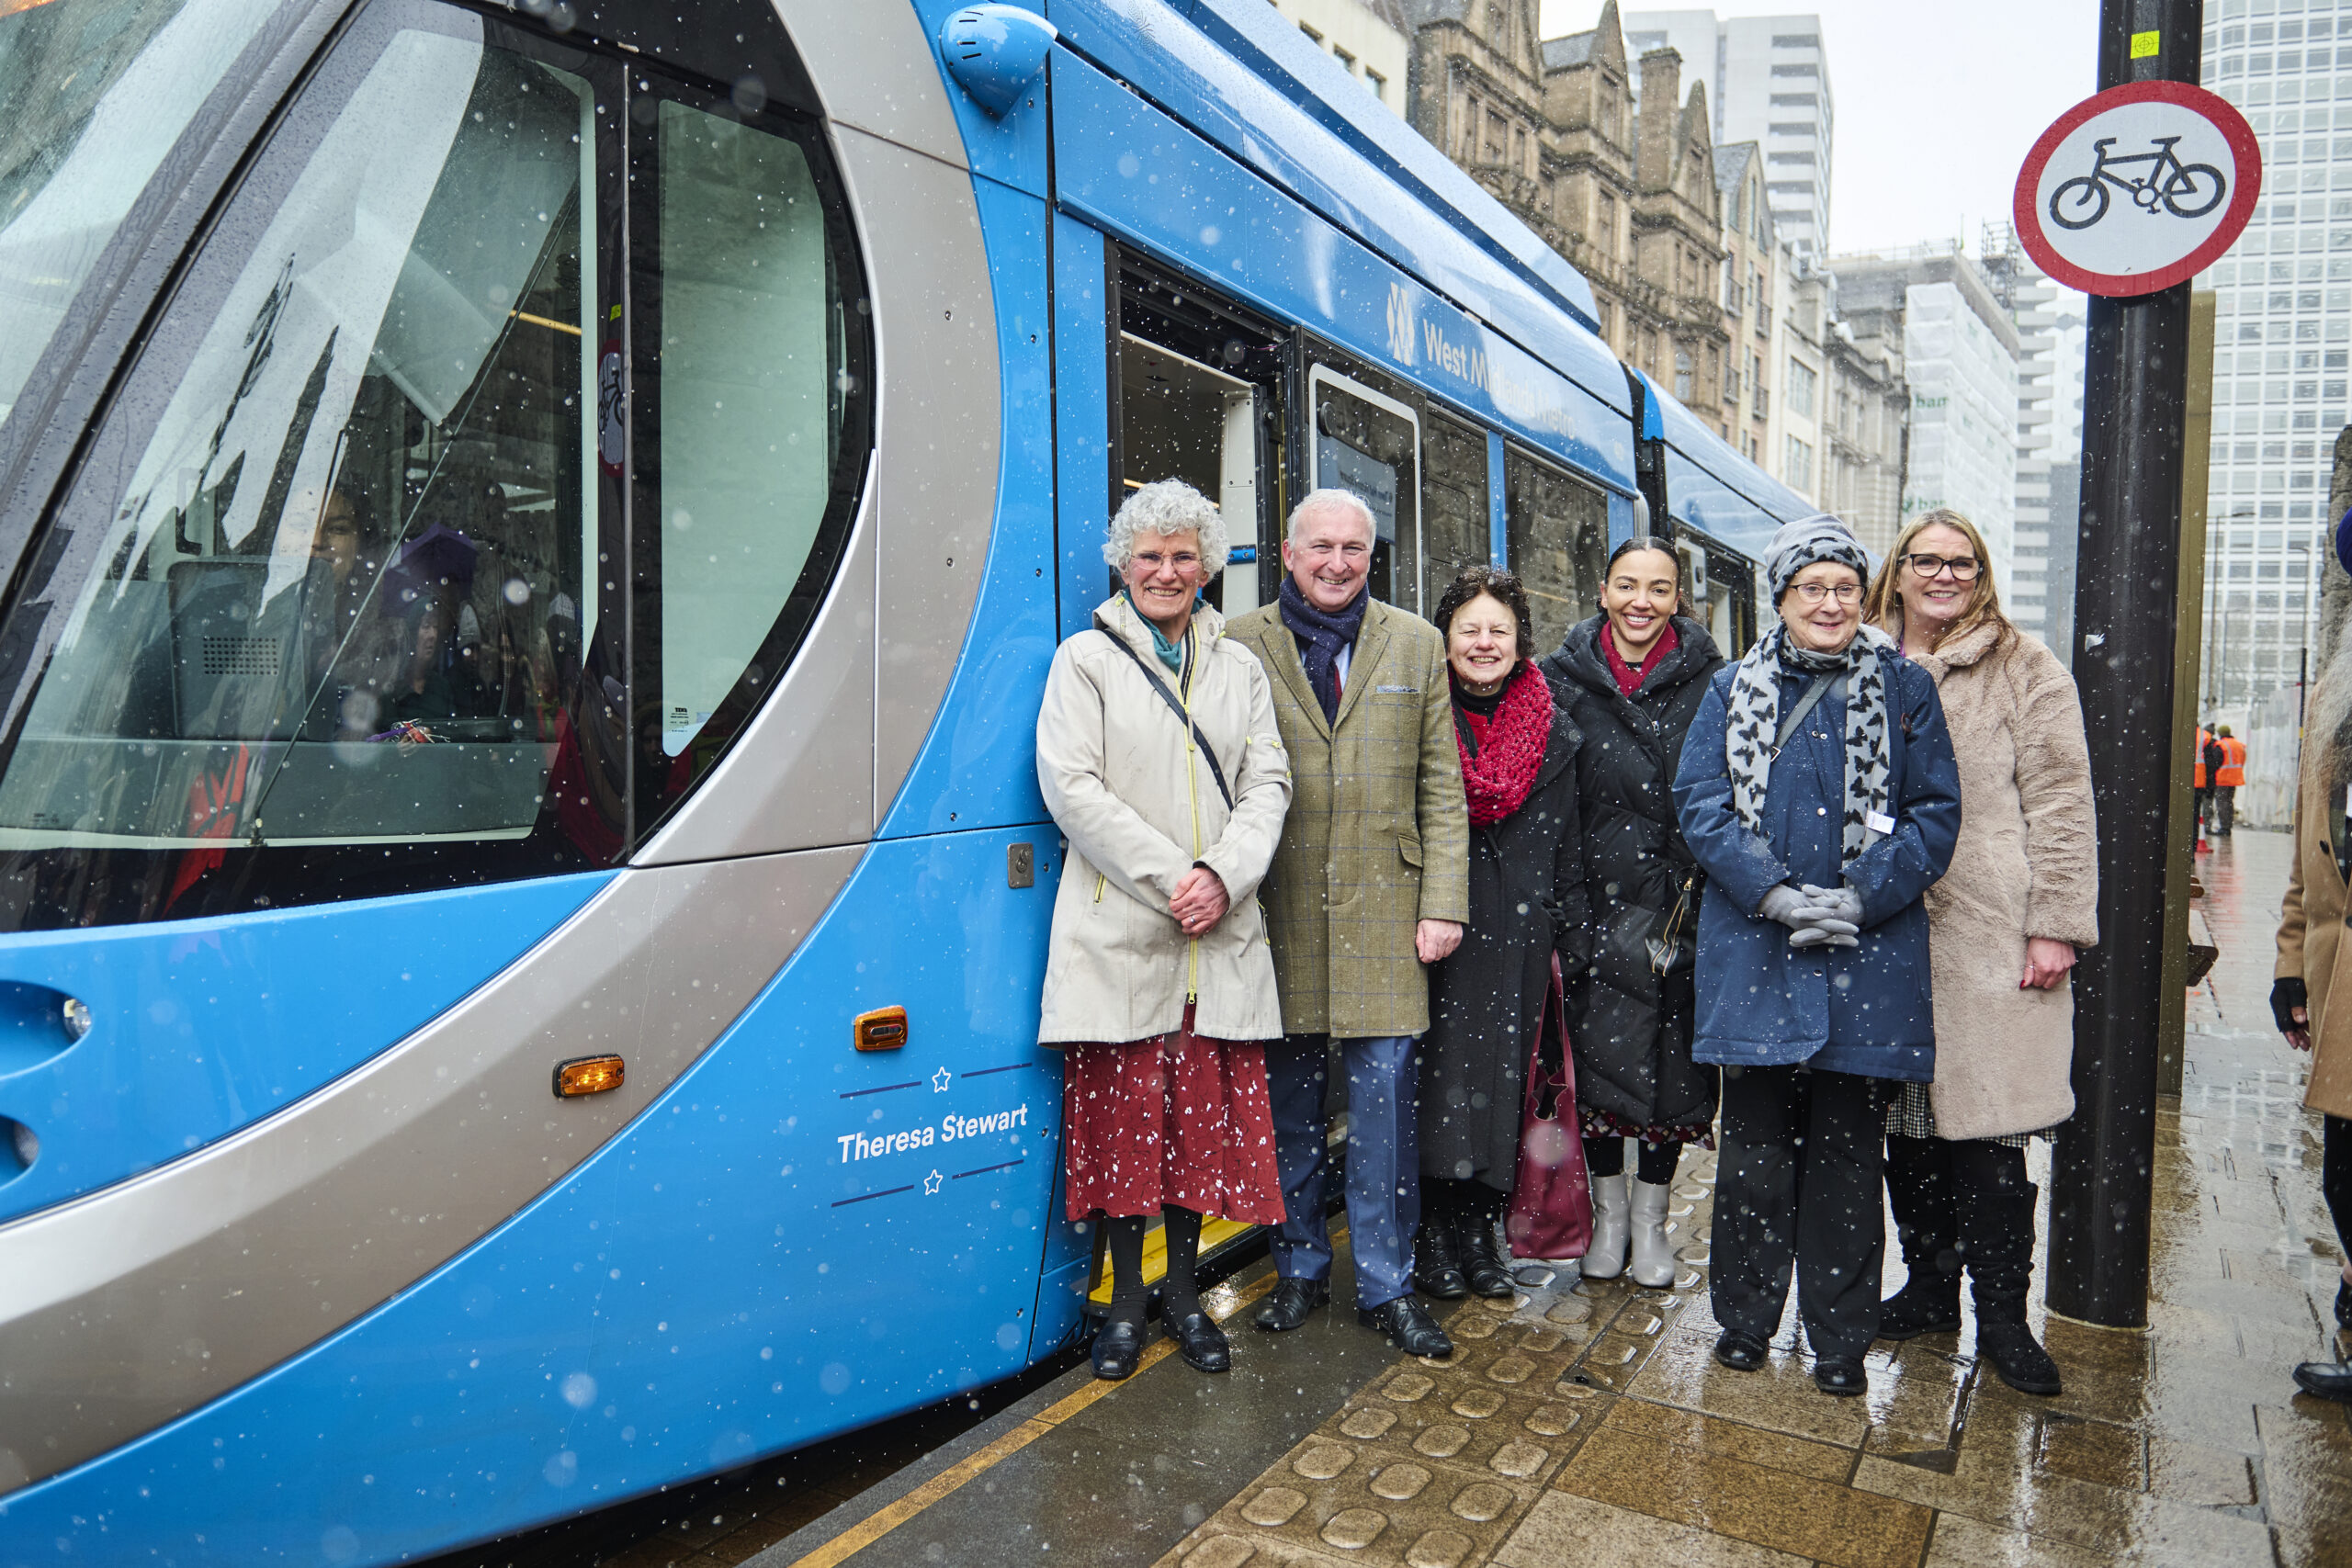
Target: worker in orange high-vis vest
2227	776
2200	781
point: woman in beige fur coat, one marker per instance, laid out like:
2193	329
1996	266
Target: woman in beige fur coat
2004	924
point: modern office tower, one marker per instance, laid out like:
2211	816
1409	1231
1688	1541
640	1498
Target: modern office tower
1960	363
2050	325
1368	36
2282	318
1768	78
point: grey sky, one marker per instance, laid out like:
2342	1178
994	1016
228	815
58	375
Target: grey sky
1937	103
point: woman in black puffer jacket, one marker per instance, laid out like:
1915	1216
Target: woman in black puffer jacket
1630	679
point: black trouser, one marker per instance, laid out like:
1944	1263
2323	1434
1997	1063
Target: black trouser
2336	1175
2203	794
1964	1204
1798	1180
2225	808
1655	1162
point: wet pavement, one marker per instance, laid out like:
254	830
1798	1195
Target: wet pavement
1586	1422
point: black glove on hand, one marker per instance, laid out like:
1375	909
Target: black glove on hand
2287	993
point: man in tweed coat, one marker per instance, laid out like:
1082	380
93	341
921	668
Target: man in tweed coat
1369	885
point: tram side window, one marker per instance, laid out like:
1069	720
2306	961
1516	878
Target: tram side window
1373	448
1559	543
745	386
338	599
1459	527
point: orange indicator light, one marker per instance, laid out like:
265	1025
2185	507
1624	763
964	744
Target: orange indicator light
588	1074
883	1030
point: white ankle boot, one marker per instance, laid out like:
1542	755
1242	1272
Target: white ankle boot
1653	1266
1605	1258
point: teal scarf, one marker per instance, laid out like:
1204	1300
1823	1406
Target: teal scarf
1170	653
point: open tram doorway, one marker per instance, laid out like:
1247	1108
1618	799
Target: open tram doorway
1199	396
1179	419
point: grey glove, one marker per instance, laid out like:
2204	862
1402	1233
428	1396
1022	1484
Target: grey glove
1784	903
1829	916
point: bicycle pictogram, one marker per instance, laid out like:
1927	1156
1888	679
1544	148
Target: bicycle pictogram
2185	190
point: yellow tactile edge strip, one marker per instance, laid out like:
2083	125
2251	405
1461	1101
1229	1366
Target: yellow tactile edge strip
875	1525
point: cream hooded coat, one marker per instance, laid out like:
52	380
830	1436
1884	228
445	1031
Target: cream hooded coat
2026	864
1139	808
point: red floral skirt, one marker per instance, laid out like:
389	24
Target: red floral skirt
1180	1119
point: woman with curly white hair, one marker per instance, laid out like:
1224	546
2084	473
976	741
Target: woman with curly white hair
1158	759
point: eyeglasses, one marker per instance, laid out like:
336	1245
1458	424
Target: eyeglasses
1813	593
1963	568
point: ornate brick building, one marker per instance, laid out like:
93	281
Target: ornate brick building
1628	196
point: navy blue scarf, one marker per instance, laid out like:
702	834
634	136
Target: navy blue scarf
1320	638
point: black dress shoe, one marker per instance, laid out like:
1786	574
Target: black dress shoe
1118	1346
1436	1270
1740	1352
2325	1380
1289	1303
1840	1375
1408	1326
1482	1259
1202	1343
2344	1304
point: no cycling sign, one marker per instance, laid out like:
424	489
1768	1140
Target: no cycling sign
2139	188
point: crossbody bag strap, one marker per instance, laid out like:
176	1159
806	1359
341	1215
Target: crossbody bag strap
1160	689
1806	705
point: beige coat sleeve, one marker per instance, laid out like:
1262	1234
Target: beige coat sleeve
1072	737
1440	809
2054	792
1261	795
2290	909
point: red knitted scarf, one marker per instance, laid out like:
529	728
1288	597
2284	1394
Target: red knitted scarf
1497	781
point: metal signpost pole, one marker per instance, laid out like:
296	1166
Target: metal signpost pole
2134	407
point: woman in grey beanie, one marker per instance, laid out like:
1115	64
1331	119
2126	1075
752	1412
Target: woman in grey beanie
1818	792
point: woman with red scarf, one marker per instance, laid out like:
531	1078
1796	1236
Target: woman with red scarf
1526	902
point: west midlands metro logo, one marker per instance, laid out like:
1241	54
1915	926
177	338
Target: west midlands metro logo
1400	324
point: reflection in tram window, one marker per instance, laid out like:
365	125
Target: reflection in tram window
338	599
1370	445
93	93
1182	420
1559	543
1455	519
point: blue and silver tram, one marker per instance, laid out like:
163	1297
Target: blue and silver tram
478	1044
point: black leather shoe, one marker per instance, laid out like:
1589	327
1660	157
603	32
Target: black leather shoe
1202	1343
2344	1304
1289	1303
1482	1267
1118	1346
1408	1326
1924	1306
1435	1269
2018	1356
1740	1352
2325	1380
1840	1375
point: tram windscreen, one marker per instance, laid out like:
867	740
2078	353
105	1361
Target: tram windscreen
341	599
93	94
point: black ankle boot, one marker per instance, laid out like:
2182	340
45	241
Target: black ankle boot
1484	1267
1436	1269
1928	1303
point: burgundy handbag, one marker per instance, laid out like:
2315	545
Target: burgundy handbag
1551	1202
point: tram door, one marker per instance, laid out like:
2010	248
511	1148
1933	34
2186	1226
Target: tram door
1179	419
1369	442
1722	593
1559	543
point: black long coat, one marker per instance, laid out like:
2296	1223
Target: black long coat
1632	1027
1486	997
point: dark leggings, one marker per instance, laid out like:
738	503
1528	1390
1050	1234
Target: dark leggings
1179	1293
1655	1164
